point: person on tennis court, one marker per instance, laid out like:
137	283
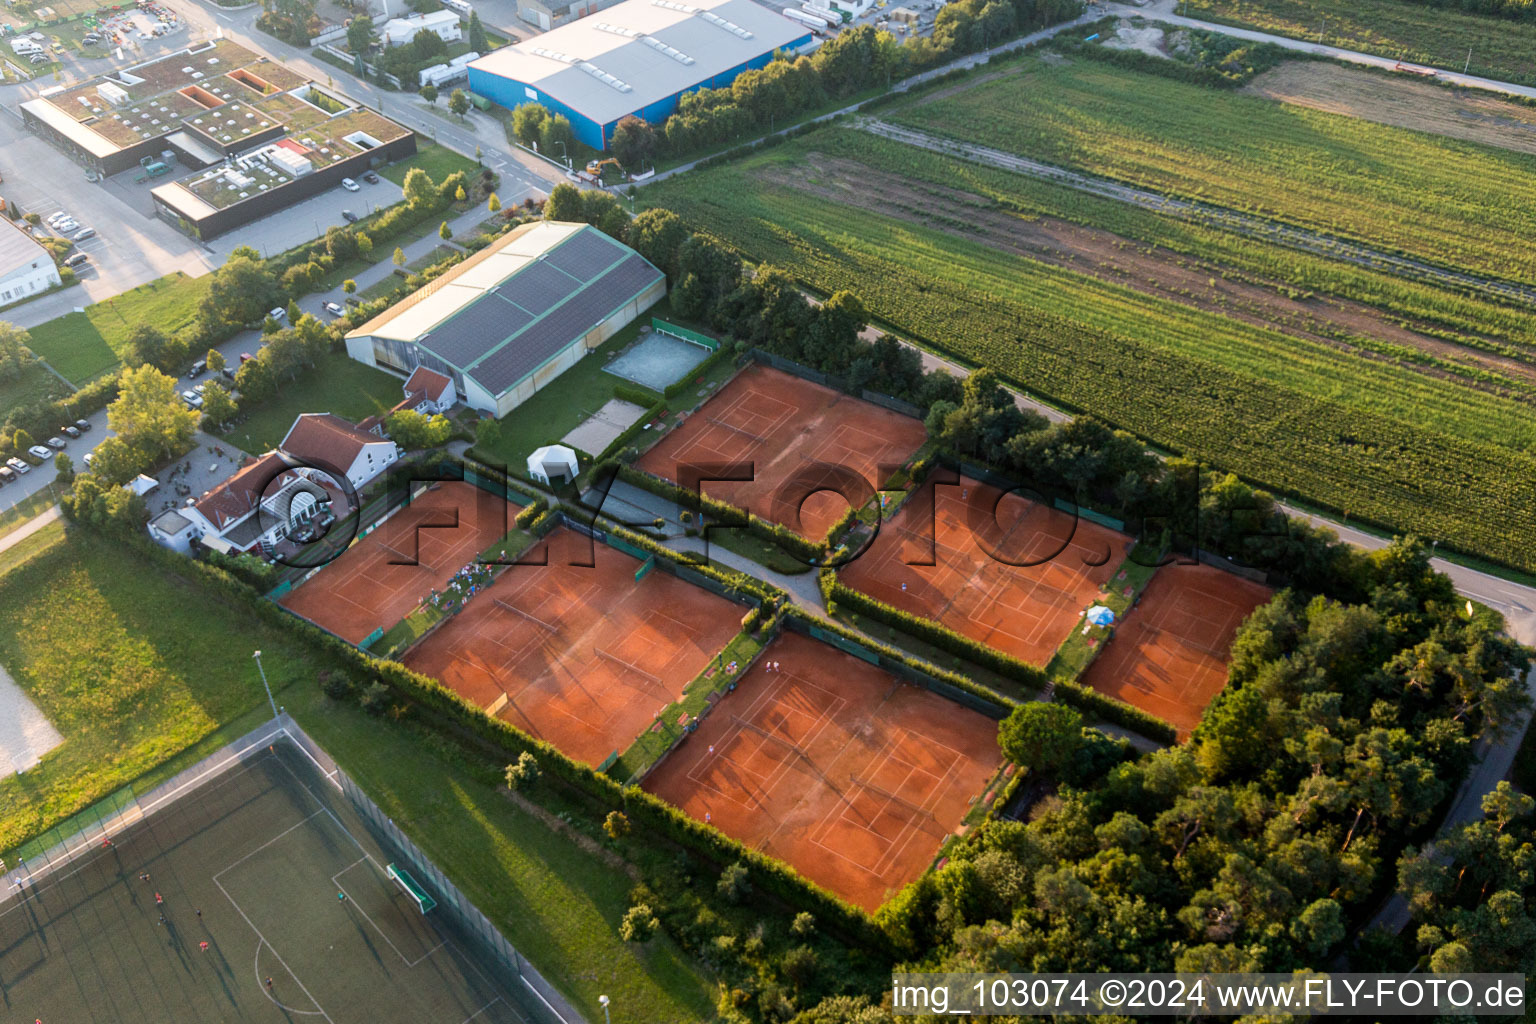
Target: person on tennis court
159	900
341	896
269	983
203	945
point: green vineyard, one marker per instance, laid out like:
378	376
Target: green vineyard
1376	439
1454	203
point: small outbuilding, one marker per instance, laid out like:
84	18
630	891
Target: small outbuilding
554	464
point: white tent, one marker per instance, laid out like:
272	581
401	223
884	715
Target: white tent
553	464
142	485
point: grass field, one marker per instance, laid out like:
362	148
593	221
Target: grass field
335	384
129	664
438	161
1429	34
33	384
82	345
1358	423
1452	202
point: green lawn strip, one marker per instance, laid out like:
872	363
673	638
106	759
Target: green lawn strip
557	903
1001	685
651	744
437	160
1500	48
1077	651
336	384
399	637
82	345
32	385
24	549
765	553
30	507
131	665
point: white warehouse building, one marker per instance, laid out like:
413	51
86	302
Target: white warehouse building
514	316
26	268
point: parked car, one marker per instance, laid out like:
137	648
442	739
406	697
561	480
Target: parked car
84	233
37	451
193	399
333	309
199	389
83	426
17	466
7	474
67	226
56	443
349	216
54	218
70	431
198	369
350	185
277	312
77	259
228	373
90	459
370	177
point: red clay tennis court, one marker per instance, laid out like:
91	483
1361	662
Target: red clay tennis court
1169	655
443	529
1017	578
580	656
791	430
834	766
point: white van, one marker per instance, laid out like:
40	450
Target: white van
462	7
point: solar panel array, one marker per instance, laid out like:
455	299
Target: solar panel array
506	334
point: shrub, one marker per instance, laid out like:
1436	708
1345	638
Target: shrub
522	773
616	825
734	885
335	685
639	923
799	966
804	925
642	397
375	698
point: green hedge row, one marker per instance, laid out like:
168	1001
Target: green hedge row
835	592
809	551
682	385
890	653
632	431
634	394
528	513
772	877
765	593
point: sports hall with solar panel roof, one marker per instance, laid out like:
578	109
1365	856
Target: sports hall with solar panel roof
517	314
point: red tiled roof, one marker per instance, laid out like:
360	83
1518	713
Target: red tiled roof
240	494
428	384
326	440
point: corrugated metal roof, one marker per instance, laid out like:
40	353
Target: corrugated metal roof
641	44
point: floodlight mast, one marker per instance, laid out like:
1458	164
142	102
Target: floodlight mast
264	683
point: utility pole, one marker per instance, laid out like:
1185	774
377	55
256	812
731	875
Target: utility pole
1468	68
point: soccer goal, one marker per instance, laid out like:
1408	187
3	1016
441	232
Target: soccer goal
412	888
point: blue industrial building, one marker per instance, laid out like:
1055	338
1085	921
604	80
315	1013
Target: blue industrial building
638	57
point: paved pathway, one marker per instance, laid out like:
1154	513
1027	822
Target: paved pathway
30	527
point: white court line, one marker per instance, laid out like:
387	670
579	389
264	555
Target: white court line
482	1009
264	845
360	910
256	968
239	910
